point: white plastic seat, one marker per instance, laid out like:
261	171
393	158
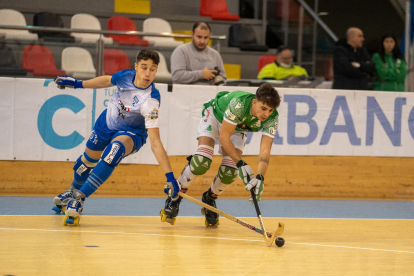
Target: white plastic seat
15	18
158	25
90	22
163	75
78	63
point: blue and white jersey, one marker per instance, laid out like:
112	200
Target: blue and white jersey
131	108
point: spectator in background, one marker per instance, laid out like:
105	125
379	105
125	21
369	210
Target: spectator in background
352	63
390	64
282	68
197	63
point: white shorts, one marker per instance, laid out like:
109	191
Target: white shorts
209	126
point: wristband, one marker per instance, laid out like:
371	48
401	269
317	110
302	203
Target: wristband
78	84
170	177
240	163
260	177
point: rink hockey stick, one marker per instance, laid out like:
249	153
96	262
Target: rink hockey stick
268	240
272	236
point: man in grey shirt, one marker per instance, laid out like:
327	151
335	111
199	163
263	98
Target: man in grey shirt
195	62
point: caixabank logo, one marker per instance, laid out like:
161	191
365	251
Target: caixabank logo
45	122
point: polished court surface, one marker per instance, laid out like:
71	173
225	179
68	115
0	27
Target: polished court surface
124	236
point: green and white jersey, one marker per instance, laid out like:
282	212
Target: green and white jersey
235	108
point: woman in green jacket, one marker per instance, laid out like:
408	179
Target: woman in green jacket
391	66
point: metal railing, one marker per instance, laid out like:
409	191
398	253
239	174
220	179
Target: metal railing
100	44
318	20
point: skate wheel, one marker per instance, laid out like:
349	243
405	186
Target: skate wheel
163	217
202	211
76	221
206	223
57	209
218	222
67	220
171	220
161	212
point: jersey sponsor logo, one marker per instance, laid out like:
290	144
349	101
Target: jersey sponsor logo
230	115
122	108
115	147
257	124
238	105
135	101
208	128
153	114
272	130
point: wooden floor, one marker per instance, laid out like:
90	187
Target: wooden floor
41	245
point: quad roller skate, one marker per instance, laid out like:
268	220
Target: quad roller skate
61	201
170	212
212	218
73	210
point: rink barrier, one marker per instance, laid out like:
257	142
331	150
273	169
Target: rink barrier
322	177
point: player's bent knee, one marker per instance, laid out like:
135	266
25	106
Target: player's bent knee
84	164
227	174
199	164
113	153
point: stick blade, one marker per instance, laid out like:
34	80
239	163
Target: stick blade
277	233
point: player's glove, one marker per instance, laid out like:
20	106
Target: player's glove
245	172
172	187
66	81
257	184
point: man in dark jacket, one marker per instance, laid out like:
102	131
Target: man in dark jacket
352	63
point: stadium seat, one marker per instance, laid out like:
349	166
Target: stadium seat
8	64
233	71
49	19
115	60
217	10
90	22
78	63
163	75
15	18
158	25
264	60
121	23
40	61
244	37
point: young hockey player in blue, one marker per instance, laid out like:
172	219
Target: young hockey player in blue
121	130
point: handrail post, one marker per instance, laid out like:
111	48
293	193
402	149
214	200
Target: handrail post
316	17
264	21
285	20
314	40
99	56
300	34
407	43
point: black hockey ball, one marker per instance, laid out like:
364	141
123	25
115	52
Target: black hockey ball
280	241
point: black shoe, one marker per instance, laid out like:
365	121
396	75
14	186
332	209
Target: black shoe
211	217
172	207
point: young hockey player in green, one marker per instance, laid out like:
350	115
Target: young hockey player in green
227	118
